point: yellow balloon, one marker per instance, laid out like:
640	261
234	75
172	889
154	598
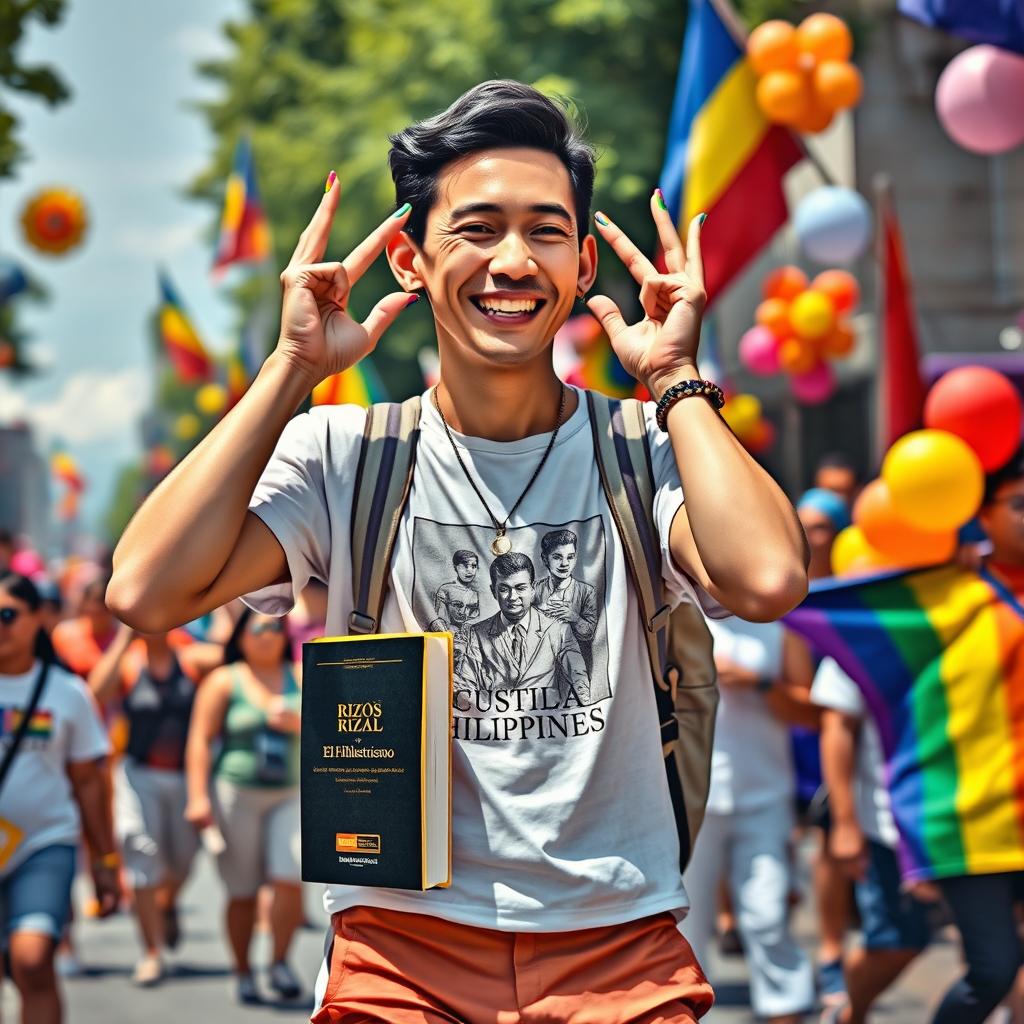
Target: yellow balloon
186	426
211	399
852	554
742	413
812	314
935	480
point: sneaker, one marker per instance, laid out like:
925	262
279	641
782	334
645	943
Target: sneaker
283	981
149	971
172	928
246	991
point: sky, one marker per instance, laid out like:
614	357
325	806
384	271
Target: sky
128	143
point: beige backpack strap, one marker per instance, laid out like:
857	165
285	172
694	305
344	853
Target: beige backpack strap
383	478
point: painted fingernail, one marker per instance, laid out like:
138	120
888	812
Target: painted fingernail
701	217
402	210
601	219
660	199
411	300
331	179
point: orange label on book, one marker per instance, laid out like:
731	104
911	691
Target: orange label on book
356	842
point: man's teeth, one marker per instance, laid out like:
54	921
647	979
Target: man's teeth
508	305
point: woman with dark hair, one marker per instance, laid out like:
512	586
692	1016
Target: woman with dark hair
54	790
251	707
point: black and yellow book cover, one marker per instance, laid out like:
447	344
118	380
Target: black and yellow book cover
375	760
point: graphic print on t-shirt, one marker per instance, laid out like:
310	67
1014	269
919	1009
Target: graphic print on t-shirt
40	727
531	644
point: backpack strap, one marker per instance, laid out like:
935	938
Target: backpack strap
624	464
386	461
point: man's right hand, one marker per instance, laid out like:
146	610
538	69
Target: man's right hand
318	336
848	848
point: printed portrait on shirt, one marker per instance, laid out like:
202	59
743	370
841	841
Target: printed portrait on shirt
530	642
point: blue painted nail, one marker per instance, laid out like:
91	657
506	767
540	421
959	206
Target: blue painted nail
701	218
402	210
601	219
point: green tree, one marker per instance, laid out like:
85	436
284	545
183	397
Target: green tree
319	84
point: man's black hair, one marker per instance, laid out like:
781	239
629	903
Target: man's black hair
464	557
507	565
836	460
492	115
556	539
1012	471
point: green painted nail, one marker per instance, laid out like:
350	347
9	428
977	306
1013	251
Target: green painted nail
660	198
601	219
701	218
402	210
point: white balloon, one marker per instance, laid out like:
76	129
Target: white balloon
833	225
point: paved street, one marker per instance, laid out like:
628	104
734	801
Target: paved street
200	989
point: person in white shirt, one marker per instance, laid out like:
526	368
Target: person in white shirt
564	842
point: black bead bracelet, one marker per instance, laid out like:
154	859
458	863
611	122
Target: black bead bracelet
687	389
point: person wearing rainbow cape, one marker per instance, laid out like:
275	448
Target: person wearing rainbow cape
566	887
938	655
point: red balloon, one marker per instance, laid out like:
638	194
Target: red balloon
980	406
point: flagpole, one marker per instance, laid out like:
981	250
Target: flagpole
881	186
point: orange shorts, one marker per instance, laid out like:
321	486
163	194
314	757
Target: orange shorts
399	968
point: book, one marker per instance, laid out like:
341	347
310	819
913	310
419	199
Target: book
375	782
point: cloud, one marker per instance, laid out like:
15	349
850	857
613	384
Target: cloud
90	407
200	42
156	243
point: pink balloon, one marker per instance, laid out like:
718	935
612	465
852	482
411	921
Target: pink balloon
759	351
980	99
815	387
27	563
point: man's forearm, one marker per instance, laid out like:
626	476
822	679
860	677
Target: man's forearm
744	527
838	754
180	539
91	796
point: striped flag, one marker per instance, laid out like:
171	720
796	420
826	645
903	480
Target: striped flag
244	230
723	157
358	385
186	352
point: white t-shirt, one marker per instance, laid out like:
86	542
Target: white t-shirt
561	816
834	689
66	728
752	760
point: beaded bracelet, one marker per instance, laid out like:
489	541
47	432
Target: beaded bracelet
687	389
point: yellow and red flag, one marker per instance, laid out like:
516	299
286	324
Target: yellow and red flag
244	229
186	352
723	157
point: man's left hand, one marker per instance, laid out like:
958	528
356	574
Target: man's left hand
662	347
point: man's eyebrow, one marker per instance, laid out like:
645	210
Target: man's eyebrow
555	209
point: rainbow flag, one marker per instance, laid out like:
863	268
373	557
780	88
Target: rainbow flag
244	230
188	355
723	158
939	656
65	469
358	385
40	725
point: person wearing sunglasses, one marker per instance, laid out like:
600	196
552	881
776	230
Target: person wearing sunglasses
52	792
250	707
153	678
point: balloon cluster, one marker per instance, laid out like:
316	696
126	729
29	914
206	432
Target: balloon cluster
804	73
801	326
745	417
933	480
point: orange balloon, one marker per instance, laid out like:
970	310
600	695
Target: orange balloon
840	342
798	355
785	283
774	314
772	47
906	545
825	37
784	96
816	119
837	85
841	287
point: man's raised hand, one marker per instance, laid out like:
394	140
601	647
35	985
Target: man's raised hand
318	336
666	339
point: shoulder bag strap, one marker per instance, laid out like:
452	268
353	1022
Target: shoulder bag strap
383	479
26	719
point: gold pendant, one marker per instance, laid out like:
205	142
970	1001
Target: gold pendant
501	545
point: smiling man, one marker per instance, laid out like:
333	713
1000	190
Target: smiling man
566	891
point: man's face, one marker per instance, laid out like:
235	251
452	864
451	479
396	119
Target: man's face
561	560
837	480
514	595
466	571
1003	520
462	609
500	259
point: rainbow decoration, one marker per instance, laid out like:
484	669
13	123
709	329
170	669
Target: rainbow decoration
358	385
939	656
40	726
593	363
65	469
186	352
244	230
723	158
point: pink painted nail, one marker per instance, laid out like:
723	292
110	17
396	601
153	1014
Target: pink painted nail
331	179
409	301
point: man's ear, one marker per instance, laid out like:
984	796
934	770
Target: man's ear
404	259
588	265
